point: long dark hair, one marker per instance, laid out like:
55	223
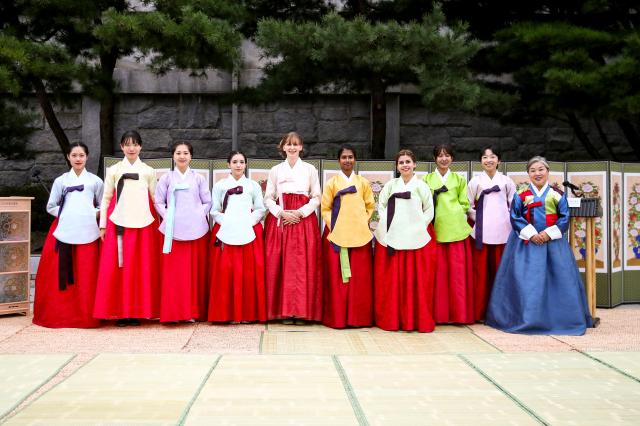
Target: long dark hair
133	135
232	153
84	147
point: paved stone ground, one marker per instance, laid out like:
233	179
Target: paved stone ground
277	374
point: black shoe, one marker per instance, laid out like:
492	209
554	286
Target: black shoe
122	322
134	321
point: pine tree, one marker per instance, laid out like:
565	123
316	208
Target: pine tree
47	46
570	60
357	54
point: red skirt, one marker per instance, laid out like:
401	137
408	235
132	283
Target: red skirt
72	307
132	291
485	266
293	271
184	281
403	286
347	304
236	283
454	283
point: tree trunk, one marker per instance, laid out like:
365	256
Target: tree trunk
582	136
107	106
631	134
604	139
50	116
378	118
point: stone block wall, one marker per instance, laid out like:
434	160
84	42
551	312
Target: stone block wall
325	122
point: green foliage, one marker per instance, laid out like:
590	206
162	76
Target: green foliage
354	55
52	47
563	67
186	36
564	56
15	128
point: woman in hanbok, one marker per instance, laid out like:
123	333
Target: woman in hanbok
490	194
292	240
347	205
404	253
538	289
128	283
454	276
237	290
183	200
68	269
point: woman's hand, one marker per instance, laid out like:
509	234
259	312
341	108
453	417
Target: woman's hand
290	217
102	232
540	238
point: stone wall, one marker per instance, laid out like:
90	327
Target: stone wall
325	122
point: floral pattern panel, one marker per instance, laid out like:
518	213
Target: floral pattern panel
616	221
632	220
592	185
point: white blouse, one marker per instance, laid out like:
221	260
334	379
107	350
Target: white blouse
243	211
302	178
78	223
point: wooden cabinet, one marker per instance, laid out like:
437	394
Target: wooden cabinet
15	248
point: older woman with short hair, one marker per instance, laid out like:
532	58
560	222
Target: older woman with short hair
537	289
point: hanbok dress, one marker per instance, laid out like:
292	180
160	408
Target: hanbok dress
347	205
454	297
490	199
129	278
404	266
538	289
293	252
237	291
68	268
183	201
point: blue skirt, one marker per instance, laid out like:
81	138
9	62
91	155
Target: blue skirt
538	290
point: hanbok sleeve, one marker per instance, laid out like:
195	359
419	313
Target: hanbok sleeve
511	190
314	193
427	204
383	200
205	195
216	204
152	182
518	221
109	189
271	193
326	204
562	223
53	205
472	193
160	196
462	195
258	206
369	200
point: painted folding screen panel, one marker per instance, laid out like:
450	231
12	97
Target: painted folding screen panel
592	179
423	169
219	170
259	170
616	234
517	171
202	167
631	232
377	173
463	168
